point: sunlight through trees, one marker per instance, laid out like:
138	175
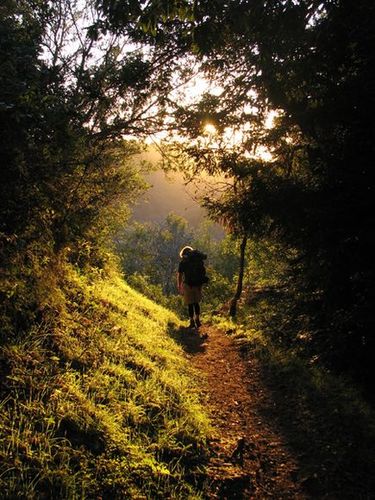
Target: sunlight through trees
268	106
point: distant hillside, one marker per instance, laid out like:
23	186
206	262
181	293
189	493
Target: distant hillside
168	194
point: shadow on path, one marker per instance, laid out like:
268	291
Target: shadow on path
278	431
193	341
331	434
248	458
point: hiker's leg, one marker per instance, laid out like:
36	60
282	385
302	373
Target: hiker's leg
191	314
197	310
191	310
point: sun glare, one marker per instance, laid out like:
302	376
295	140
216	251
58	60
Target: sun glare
209	128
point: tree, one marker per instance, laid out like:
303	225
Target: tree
73	97
311	63
312	60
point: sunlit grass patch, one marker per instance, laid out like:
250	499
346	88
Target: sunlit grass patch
101	401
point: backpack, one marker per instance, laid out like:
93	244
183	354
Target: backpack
195	272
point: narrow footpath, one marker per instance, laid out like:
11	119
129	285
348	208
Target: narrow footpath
250	458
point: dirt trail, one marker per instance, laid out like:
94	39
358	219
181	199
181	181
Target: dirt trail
250	458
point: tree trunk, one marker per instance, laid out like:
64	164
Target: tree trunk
237	295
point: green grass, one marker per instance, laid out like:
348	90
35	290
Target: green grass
99	401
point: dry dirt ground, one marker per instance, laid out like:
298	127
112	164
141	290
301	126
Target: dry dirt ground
250	456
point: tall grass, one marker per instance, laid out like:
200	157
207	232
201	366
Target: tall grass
99	400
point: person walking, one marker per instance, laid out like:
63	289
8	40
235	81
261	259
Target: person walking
191	276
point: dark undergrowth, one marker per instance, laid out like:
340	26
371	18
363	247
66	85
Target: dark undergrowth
326	418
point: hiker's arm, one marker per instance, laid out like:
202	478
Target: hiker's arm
179	282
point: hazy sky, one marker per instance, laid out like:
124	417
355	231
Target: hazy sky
167	194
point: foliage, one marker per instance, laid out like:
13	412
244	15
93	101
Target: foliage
153	267
308	60
158	247
78	81
99	401
69	166
311	64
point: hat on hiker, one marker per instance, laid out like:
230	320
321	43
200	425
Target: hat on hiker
185	251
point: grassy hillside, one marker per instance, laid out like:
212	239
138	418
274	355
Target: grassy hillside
99	401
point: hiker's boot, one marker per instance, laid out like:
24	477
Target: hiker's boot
197	322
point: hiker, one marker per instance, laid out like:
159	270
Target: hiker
190	278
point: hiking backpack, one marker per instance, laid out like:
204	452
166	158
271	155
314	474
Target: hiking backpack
195	272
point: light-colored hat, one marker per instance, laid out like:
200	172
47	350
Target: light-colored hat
185	251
